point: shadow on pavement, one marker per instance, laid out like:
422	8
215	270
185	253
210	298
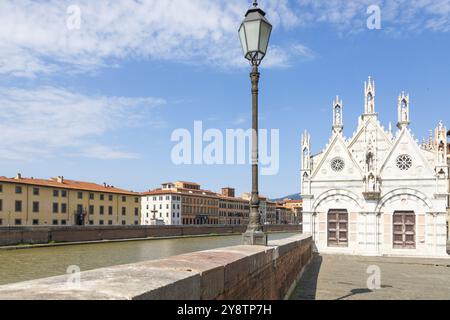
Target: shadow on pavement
355	292
307	286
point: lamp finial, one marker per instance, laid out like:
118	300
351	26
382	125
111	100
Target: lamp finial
255	3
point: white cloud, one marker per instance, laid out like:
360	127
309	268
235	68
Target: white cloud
46	121
398	16
35	39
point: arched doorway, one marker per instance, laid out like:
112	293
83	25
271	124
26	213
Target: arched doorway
338	228
404	229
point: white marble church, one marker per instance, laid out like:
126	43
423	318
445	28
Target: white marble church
378	192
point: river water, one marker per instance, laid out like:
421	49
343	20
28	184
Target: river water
28	264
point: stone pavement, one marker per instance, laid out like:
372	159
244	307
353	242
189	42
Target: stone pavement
341	277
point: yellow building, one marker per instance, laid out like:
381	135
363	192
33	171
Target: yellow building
296	207
57	201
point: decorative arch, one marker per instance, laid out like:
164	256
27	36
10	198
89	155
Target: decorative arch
404	192
337	192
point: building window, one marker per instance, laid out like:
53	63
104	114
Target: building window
18	189
18	222
55	208
18	206
101	222
136	200
124	199
102	210
91	209
56	193
110	197
91	222
79	208
35	222
1	205
63	208
110	211
35	207
64	193
124	222
80	195
91	196
35	191
63	222
102	197
124	211
136	223
55	222
110	222
1	188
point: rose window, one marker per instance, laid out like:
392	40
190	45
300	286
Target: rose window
337	164
404	162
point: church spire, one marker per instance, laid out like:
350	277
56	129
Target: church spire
338	124
306	151
369	94
441	151
403	111
306	164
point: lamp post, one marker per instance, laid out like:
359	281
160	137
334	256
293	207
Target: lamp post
254	34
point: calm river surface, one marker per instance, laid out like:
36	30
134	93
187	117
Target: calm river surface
28	264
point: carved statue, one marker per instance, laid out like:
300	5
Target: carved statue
441	151
372	183
404	114
370	165
305	158
338	116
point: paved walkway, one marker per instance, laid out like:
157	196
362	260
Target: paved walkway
340	277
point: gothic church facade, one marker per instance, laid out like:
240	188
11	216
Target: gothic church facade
378	192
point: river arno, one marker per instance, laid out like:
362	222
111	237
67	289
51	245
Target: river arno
28	264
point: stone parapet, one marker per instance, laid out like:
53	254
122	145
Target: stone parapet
10	236
233	273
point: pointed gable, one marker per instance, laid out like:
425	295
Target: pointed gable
406	160
369	129
337	163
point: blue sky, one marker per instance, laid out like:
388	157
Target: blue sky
100	103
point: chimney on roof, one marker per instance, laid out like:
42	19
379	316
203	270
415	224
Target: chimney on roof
18	176
60	179
104	184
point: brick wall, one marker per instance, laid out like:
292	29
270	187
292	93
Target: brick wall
233	273
41	235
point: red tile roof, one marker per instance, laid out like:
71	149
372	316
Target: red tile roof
68	184
293	201
180	191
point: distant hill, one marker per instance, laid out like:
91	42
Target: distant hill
295	196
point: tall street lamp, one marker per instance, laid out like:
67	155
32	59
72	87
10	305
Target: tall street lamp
255	34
